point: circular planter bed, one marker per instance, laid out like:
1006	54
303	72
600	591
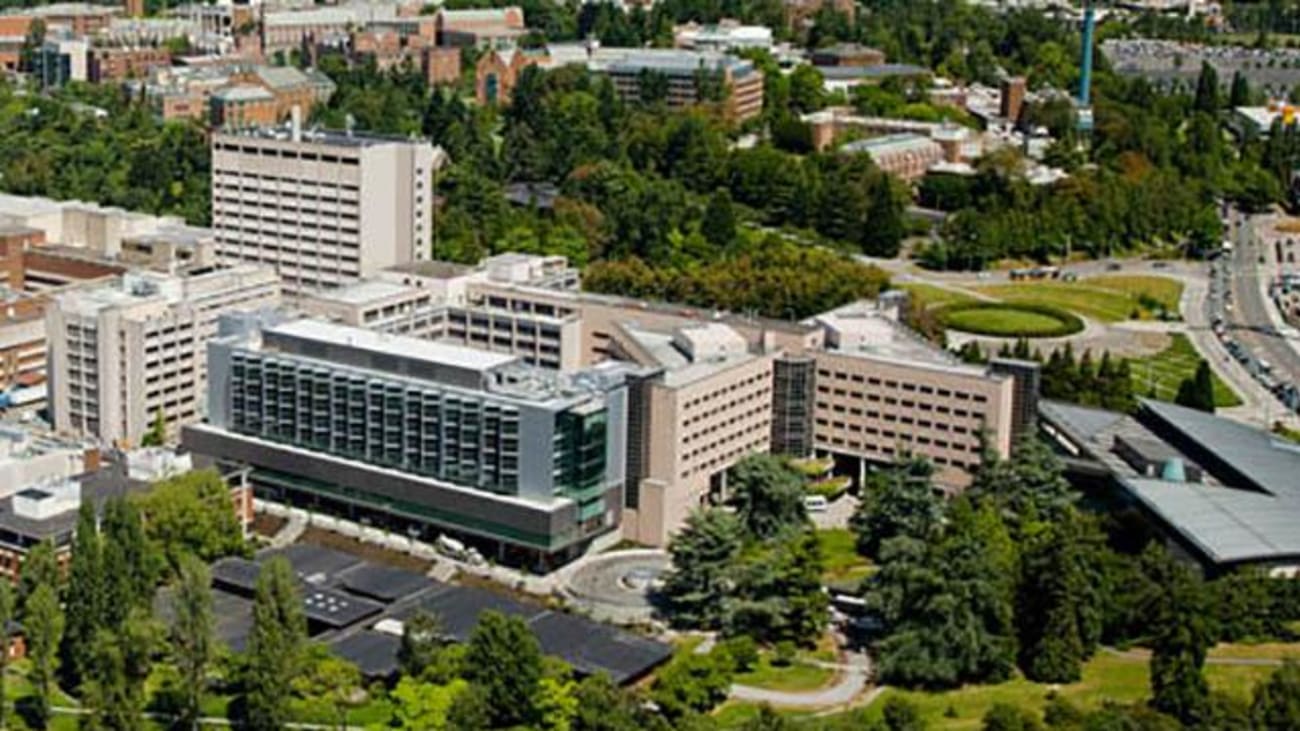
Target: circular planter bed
1007	320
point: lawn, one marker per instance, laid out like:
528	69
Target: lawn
1108	298
931	295
1158	375
1106	677
841	562
793	678
1004	322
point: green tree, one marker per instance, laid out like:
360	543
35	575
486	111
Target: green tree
900	714
422	644
604	706
505	660
191	636
119	664
1277	700
8	619
331	680
556	700
692	683
43	629
128	563
40	567
191	513
1059	608
1197	392
899	501
1184	631
1240	94
421	706
767	494
1207	90
157	434
703	553
719	222
32	43
275	648
1030	486
86	611
1006	717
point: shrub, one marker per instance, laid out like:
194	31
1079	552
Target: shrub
1008	320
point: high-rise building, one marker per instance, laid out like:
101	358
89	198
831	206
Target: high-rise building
425	437
322	208
124	352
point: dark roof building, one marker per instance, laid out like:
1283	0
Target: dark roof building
1223	493
357	608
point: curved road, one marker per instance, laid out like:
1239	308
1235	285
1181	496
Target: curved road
850	683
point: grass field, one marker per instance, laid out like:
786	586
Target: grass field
929	295
842	563
1106	677
793	678
1108	298
1160	374
1002	322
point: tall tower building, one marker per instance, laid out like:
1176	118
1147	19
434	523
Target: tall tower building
322	208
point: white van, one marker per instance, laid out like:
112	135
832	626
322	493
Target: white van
816	504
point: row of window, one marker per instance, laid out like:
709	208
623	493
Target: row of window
906	386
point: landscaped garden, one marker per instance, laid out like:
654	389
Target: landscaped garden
1158	376
1009	320
1107	298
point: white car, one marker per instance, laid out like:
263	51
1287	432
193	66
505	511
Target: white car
816	504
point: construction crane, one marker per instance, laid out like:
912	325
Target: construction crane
1083	104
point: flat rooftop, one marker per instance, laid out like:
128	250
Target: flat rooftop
1247	506
433	269
333	138
363	292
399	346
862	328
680	368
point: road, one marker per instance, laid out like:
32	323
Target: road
850	683
1253	320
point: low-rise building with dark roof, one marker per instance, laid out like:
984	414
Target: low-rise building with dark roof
1221	493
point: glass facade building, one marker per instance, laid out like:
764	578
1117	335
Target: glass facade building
473	437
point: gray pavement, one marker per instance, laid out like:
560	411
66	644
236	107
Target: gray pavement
854	675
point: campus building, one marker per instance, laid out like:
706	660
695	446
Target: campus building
883	392
689	78
420	436
124	352
1219	494
322	208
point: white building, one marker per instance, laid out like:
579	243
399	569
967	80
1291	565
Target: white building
322	208
122	353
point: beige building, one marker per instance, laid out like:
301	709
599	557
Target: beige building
322	208
708	406
449	302
121	353
882	392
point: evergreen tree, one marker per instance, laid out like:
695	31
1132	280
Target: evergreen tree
884	228
127	561
1277	700
7	624
719	222
40	566
703	553
899	501
1059	608
1184	628
191	635
87	605
505	660
423	648
32	43
1240	95
1207	90
157	434
1197	391
768	496
275	648
116	670
43	629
